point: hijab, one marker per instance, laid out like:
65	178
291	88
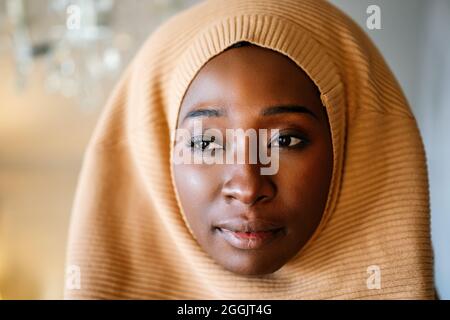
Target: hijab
128	236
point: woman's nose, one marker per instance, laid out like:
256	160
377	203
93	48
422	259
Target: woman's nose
246	185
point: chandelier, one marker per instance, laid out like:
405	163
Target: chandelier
73	39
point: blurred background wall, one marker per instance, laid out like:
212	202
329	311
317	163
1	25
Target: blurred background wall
49	105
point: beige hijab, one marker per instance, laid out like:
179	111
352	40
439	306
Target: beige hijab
128	235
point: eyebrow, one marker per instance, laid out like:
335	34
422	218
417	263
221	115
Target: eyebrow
274	110
269	111
211	113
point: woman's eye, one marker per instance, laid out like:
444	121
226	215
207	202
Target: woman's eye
286	141
204	143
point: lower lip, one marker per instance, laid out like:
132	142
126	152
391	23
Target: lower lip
248	241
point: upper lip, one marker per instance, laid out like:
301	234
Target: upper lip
254	225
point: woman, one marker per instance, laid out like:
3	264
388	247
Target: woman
345	213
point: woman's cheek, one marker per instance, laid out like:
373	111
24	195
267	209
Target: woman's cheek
195	183
303	177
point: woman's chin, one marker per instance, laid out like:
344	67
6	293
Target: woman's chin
251	265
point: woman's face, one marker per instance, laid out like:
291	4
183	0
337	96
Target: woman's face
250	223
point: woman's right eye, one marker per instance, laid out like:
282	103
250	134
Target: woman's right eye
203	143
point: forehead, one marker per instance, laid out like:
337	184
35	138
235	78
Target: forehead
248	79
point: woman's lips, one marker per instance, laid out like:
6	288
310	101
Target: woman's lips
249	240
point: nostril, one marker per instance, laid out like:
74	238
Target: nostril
229	199
260	198
248	191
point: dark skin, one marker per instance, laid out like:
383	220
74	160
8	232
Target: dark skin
241	84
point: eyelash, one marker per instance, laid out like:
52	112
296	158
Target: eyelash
201	139
303	141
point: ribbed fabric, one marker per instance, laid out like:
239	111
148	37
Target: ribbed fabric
128	234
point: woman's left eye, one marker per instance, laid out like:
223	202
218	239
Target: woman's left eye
286	141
